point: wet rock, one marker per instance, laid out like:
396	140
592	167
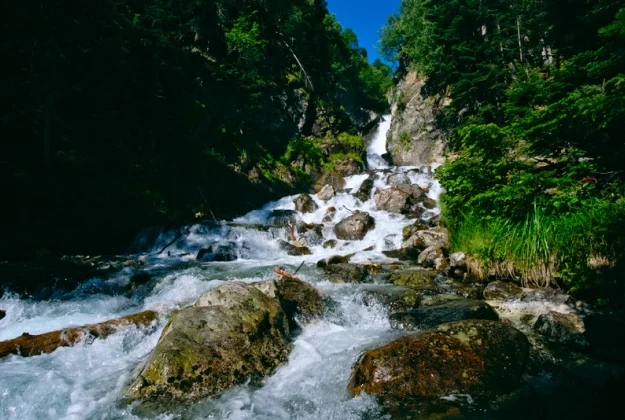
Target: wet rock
311	234
330	244
398	179
218	252
458	260
606	335
439	299
333	179
416	279
429	256
398	199
354	227
364	193
431	316
467	290
475	357
204	350
3	313
300	299
329	216
304	203
294	250
326	193
392	298
283	217
348	166
33	345
408	231
566	329
346	273
334	259
425	239
501	291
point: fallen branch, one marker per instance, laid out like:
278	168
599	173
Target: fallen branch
282	273
33	345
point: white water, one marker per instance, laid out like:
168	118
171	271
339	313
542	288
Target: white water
87	381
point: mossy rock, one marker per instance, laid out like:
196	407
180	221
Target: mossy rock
414	278
300	299
204	350
346	273
475	357
391	298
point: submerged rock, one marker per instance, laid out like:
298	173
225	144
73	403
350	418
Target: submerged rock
294	250
218	252
398	179
354	227
334	259
346	273
330	244
431	316
304	203
475	357
392	298
204	350
326	193
501	291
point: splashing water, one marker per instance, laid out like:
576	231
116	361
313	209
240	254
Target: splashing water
87	381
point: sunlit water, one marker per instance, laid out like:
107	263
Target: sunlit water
87	381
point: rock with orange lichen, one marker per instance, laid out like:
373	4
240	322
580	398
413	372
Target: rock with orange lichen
476	357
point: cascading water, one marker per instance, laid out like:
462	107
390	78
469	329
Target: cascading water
87	380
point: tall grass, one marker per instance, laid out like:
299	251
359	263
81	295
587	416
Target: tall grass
544	249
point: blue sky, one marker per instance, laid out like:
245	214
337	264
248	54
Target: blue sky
365	17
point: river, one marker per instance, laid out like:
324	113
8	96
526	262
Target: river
87	381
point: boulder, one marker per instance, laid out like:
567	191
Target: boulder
333	179
354	227
304	203
398	199
310	234
299	298
408	231
391	298
326	193
294	250
501	291
416	279
203	350
330	244
347	166
364	192
458	260
425	239
475	357
283	217
429	256
468	290
346	273
566	329
431	316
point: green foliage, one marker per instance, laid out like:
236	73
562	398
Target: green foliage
120	114
537	118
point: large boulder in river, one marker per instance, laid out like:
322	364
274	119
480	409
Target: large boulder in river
304	203
355	227
475	357
242	334
431	316
299	299
399	199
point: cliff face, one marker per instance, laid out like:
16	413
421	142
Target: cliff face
413	138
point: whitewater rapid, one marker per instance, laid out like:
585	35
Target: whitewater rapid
87	381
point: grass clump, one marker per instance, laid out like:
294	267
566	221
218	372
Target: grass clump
572	250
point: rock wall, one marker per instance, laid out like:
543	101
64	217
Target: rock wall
413	139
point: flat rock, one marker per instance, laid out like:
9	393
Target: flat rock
346	273
501	291
431	316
